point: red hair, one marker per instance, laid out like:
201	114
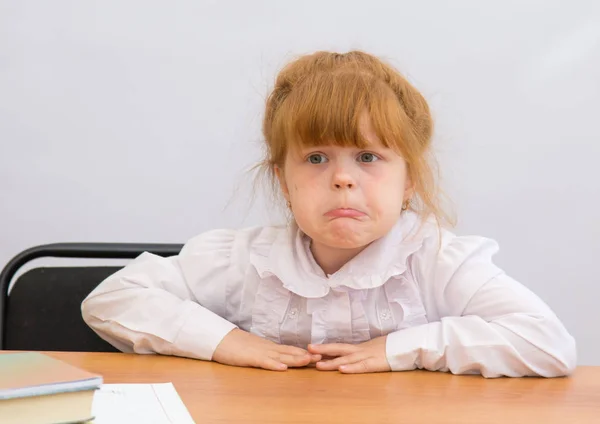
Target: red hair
319	99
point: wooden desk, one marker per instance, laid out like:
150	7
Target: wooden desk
218	394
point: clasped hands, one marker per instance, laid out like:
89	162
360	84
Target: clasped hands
242	349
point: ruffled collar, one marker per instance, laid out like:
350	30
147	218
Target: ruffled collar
289	259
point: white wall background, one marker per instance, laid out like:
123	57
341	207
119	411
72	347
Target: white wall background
134	120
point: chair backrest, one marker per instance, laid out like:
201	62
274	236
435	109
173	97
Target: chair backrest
43	309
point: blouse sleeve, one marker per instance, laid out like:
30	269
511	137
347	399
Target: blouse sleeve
149	306
481	320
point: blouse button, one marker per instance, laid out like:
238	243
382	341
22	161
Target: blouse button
293	313
385	314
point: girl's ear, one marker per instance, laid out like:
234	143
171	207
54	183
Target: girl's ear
282	183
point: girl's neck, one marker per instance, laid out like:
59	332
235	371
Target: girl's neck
331	259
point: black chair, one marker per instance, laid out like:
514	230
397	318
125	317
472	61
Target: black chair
43	310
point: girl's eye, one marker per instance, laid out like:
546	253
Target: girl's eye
317	158
367	157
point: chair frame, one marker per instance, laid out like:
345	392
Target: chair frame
74	251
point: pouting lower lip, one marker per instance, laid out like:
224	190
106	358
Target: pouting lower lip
345	212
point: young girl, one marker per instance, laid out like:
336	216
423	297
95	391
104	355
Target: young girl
363	279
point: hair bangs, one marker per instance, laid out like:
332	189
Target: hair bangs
328	108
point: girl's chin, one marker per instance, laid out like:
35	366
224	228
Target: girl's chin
344	236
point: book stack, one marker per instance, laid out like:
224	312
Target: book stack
38	389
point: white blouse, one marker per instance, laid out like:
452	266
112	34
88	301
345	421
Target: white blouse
438	297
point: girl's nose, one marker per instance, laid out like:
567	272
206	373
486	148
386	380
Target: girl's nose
344	185
342	179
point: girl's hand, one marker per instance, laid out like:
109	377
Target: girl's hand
242	349
353	359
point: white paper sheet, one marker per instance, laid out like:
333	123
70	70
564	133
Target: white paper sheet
139	403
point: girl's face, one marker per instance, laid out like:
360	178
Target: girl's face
345	197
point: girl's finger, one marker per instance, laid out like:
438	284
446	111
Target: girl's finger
294	360
333	349
315	358
291	350
328	358
272	364
365	366
334	364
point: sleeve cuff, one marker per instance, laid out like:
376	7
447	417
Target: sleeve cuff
201	333
405	348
